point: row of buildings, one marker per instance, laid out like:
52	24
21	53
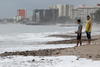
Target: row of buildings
83	11
53	12
76	12
56	11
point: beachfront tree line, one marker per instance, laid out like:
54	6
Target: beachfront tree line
97	16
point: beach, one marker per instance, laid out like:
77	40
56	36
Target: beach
84	51
48	49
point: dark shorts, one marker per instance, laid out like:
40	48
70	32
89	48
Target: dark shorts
88	35
79	36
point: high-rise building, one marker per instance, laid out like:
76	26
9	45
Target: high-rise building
22	13
64	10
45	15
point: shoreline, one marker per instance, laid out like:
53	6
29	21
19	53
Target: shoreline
71	41
85	51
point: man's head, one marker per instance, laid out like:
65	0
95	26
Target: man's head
78	21
88	17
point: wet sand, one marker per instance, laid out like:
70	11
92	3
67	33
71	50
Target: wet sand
71	41
86	51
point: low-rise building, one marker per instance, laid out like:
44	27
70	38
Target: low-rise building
82	12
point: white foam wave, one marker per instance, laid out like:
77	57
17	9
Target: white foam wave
32	47
40	61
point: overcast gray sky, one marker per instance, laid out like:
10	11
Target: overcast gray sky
8	8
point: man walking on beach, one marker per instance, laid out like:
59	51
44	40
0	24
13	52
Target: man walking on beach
88	28
79	33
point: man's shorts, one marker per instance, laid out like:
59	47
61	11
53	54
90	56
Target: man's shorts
88	35
79	36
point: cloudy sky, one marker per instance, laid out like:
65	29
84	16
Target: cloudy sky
8	8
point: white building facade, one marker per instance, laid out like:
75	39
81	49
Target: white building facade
64	10
82	12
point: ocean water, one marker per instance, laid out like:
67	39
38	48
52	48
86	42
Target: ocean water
15	37
19	34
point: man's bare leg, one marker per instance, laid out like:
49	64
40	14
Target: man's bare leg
80	42
89	41
77	43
